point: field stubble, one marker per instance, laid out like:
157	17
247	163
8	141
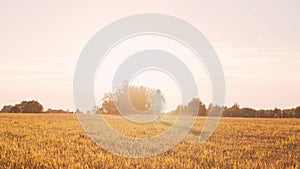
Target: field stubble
58	141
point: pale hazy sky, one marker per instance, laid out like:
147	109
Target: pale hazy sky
258	43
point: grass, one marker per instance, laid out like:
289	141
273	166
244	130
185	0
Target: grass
58	141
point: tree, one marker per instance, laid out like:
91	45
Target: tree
136	97
78	111
16	109
193	106
201	109
24	107
127	98
31	107
108	106
178	109
215	110
297	112
248	112
7	108
196	107
277	113
236	106
233	111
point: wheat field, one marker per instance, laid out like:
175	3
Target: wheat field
58	141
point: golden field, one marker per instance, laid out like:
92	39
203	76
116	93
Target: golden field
58	141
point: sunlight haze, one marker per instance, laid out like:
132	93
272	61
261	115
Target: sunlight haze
257	44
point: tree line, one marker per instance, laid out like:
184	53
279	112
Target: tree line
32	106
139	99
235	111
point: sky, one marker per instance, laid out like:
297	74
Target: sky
257	43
